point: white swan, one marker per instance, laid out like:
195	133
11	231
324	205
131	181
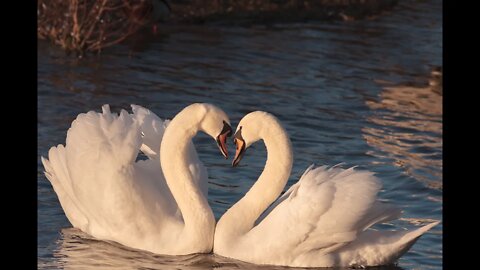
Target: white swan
321	221
159	204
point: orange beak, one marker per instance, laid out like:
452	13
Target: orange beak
222	139
222	144
240	150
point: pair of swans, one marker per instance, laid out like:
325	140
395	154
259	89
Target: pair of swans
160	204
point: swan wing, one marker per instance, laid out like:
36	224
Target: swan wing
57	173
323	211
100	186
152	130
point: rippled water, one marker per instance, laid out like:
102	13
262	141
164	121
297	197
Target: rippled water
352	92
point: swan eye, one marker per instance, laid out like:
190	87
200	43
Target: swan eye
238	137
227	129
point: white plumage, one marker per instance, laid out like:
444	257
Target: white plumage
106	193
321	221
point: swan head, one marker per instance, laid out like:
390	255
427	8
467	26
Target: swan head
249	130
215	123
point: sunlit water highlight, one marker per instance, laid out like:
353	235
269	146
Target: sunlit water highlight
361	93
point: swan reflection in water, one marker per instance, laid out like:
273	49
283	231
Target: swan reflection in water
78	250
407	128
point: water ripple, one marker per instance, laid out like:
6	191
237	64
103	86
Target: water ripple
365	93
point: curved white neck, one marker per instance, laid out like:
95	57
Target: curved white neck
197	214
241	217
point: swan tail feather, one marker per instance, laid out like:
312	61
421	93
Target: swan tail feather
381	247
412	236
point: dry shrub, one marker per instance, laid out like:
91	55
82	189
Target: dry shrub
90	25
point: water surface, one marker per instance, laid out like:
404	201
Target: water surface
352	92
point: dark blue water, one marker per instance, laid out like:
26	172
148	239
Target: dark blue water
360	92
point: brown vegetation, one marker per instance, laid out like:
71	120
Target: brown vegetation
88	25
233	11
91	25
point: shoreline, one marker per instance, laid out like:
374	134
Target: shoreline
88	26
266	11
